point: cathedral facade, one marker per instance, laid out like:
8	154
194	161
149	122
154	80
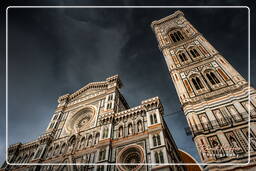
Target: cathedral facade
217	101
93	128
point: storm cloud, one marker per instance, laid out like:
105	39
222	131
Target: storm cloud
57	51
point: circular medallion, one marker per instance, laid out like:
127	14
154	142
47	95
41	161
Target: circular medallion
131	155
81	120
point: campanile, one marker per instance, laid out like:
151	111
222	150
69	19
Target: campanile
213	95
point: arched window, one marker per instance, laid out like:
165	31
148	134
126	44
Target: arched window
25	159
212	78
89	142
151	119
102	154
199	83
161	156
215	78
49	152
31	157
82	143
154	141
63	149
56	151
158	139
105	133
157	157
194	52
173	38
19	160
180	35
97	138
155	118
195	84
183	57
176	36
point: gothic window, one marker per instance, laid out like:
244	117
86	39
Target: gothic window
197	83
39	152
180	35
176	36
105	133
130	129
156	140
82	143
110	97
100	168
151	119
31	157
19	160
183	57
56	151
102	103
139	126
25	159
63	149
212	78
89	142
173	38
194	52
51	126
159	157
49	152
155	119
120	131
102	154
109	105
97	138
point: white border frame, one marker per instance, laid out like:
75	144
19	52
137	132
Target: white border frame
152	164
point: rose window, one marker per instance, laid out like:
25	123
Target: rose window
131	155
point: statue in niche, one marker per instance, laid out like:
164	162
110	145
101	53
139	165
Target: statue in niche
120	131
139	126
130	129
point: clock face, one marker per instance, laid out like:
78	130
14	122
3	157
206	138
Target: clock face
81	120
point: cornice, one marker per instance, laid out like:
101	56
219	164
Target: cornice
167	18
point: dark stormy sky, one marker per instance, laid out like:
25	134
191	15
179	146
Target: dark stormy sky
57	51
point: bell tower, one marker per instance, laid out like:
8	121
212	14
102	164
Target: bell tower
214	96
